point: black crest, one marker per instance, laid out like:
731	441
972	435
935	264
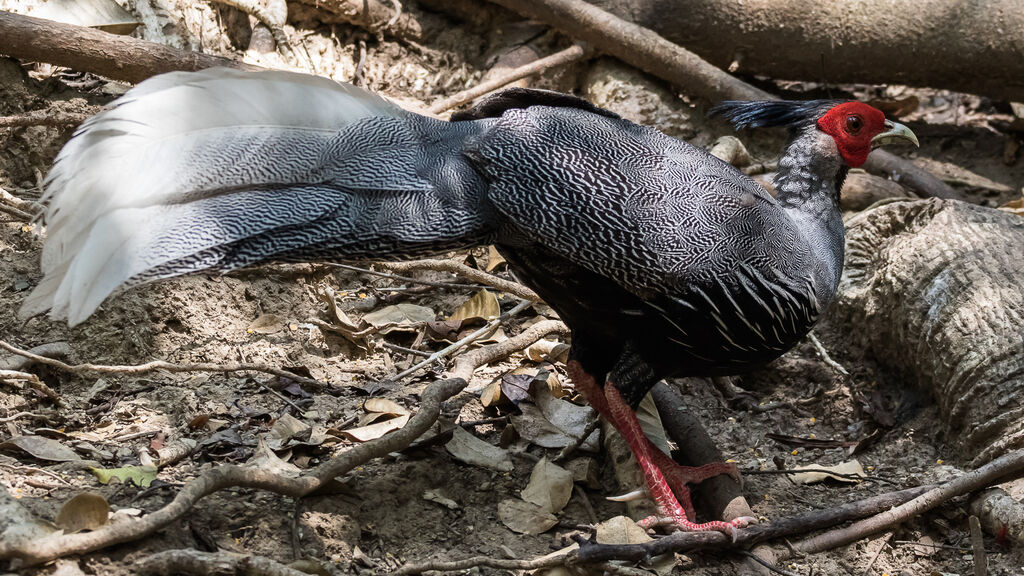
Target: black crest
772	113
496	104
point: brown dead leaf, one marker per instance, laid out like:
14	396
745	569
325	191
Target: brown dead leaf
840	472
264	458
42	448
621	530
481	306
268	324
494	259
86	511
550	486
525	518
376	430
650	423
402	317
467	448
548	350
1014	206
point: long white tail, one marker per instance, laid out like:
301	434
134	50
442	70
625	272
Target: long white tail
220	169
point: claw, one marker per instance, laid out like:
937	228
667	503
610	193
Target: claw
629	496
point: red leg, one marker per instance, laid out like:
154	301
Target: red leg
628	425
675	475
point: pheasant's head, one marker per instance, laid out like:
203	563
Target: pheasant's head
856	127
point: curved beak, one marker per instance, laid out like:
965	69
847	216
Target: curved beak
894	132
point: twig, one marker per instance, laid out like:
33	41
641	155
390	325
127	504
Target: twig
285	399
978	547
820	470
472	337
781	528
89	50
578	441
585	501
18	415
825	356
513	288
404	278
159	365
467	363
203	563
482	561
885	542
567	56
43	118
398	348
765	563
1001	469
50	350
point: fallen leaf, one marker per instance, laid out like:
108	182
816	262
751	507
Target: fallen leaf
550	486
799	442
481	306
42	448
852	467
264	458
515	385
650	423
342	323
525	518
1014	207
140	476
435	496
402	317
86	511
585	471
268	324
469	449
494	259
550	351
373	431
385	406
621	530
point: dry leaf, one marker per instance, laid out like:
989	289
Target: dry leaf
373	431
650	423
494	259
550	486
552	422
385	406
469	449
1014	207
585	471
515	385
482	306
621	530
435	496
852	467
264	458
86	511
491	396
268	324
524	517
402	317
548	350
42	448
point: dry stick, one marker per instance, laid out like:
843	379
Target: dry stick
459	269
89	50
781	528
978	547
644	49
376	18
50	547
825	357
472	337
202	563
158	365
1000	469
43	118
567	56
403	278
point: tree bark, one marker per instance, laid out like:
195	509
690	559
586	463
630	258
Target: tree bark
115	57
963	46
935	290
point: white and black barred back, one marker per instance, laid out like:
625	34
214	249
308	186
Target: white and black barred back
662	259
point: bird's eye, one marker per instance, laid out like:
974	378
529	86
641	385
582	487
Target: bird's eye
853	124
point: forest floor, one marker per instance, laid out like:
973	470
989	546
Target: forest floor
426	503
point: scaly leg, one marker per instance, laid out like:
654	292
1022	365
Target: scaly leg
626	422
677	475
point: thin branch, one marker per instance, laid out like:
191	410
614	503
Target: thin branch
513	288
1003	468
766	564
472	337
482	561
569	55
203	563
825	356
158	365
404	278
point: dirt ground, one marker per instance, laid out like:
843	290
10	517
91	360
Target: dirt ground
382	518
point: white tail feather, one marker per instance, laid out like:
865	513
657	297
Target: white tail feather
161	146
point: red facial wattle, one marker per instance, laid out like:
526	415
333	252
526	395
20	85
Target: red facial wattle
853	125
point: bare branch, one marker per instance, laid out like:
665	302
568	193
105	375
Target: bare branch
513	288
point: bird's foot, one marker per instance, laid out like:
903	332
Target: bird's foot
681	522
677	474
